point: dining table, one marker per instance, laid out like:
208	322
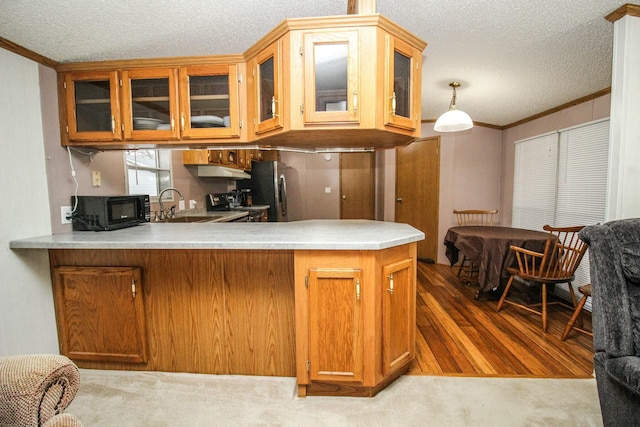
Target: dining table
490	248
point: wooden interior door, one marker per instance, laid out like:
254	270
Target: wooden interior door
357	186
418	190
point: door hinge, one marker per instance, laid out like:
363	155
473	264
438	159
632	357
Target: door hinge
67	128
133	287
308	366
302	108
240	78
120	82
358	289
301	50
64	85
306	282
241	123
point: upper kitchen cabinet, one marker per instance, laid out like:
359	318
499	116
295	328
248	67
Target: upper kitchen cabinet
402	81
209	101
266	96
347	81
182	102
92	102
150	104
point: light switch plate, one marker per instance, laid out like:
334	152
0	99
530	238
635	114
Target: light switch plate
96	179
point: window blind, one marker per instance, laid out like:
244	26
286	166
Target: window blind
535	182
561	179
582	185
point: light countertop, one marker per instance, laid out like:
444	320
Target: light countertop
311	234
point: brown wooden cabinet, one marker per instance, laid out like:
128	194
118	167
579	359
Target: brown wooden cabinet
398	302
343	81
205	311
100	313
92	101
170	105
355	319
330	77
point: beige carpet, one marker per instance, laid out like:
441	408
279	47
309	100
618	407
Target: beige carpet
116	398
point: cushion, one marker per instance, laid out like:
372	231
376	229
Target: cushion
627	233
625	371
34	388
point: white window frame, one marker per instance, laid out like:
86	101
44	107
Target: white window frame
136	166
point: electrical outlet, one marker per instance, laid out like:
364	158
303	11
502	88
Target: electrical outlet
65	211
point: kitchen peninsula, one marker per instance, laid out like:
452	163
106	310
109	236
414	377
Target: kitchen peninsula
331	302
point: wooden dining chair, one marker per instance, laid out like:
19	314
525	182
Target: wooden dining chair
468	218
557	264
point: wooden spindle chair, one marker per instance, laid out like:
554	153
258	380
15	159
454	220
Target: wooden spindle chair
557	264
468	218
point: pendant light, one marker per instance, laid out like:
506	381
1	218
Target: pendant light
453	120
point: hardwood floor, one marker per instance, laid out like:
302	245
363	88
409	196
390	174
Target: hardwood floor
458	335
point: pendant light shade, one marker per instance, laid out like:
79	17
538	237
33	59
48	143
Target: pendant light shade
453	120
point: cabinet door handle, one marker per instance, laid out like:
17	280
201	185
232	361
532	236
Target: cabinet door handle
358	289
273	107
173	125
113	124
355	101
182	122
390	284
393	103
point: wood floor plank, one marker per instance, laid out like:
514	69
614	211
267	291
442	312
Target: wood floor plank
466	345
459	335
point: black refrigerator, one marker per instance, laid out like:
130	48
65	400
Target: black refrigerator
268	186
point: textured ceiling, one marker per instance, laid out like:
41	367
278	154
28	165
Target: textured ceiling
513	58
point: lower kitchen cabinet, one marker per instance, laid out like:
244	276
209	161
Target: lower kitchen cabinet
355	319
335	322
100	313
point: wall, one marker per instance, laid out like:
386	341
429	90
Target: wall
27	321
470	175
308	175
111	166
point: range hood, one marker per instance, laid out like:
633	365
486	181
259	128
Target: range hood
222	172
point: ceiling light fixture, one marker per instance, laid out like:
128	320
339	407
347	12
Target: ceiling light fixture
453	120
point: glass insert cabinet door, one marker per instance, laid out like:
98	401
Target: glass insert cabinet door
150	104
209	101
331	77
93	108
402	85
268	81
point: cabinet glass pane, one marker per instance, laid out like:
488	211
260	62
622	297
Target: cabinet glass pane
93	106
267	89
150	104
402	84
331	76
209	96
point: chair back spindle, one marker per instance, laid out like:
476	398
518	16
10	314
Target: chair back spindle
475	217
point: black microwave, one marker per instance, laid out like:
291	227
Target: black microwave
101	213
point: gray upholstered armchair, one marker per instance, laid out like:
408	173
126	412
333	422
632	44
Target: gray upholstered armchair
614	255
36	388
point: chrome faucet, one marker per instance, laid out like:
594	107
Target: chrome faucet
162	213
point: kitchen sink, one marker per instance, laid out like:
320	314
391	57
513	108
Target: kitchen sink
187	218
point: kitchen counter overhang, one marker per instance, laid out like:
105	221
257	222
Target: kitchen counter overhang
305	235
